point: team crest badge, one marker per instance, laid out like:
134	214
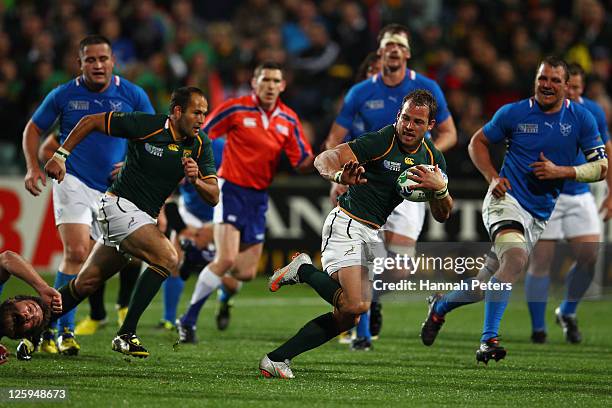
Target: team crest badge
173	147
566	128
409	161
186	154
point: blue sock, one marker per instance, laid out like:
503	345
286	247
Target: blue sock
173	287
363	328
191	315
536	293
1	287
67	320
577	281
495	305
457	298
224	294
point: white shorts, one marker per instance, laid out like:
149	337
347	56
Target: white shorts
76	203
407	219
120	217
188	218
347	242
507	208
574	216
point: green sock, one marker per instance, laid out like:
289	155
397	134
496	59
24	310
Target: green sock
127	280
321	282
316	332
70	299
146	288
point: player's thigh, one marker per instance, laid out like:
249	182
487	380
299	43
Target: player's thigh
103	262
149	244
356	288
204	235
247	261
76	239
227	241
541	257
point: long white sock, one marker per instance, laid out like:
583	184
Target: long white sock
207	282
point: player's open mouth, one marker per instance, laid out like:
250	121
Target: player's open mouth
547	92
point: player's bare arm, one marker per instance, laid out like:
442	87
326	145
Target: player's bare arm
13	264
47	148
306	166
336	136
442	204
479	153
207	187
593	170
30	142
606	205
56	166
446	137
340	165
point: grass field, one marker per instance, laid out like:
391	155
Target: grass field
222	369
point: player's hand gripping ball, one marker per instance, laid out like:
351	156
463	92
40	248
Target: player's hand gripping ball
405	186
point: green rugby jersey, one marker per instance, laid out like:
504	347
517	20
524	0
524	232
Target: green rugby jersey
153	167
384	160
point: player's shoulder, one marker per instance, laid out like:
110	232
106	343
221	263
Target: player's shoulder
421	80
517	108
287	112
125	84
592	107
75	85
581	111
365	87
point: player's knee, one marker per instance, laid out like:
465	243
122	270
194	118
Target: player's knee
168	258
587	255
86	284
514	261
225	263
76	254
356	308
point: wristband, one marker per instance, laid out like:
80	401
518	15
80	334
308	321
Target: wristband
61	154
338	176
442	193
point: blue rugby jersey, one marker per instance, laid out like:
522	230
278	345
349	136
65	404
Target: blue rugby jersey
376	104
529	131
573	187
92	160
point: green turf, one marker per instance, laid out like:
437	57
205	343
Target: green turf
222	368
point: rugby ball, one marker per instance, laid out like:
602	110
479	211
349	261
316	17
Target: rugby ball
404	186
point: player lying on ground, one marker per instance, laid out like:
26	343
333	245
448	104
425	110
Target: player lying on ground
25	317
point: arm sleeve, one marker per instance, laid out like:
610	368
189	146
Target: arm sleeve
602	125
206	160
497	128
372	146
132	125
349	109
47	112
144	103
296	146
219	121
589	135
442	112
440	160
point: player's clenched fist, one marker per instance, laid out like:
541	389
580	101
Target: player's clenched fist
56	169
191	169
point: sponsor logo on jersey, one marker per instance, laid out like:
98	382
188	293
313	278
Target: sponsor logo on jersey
154	150
528	128
173	147
566	128
78	105
282	129
409	161
393	166
375	104
249	122
186	153
116	105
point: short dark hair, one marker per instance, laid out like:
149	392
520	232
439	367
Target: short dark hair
422	97
92	40
576	69
393	29
182	96
11	324
555	62
266	65
362	71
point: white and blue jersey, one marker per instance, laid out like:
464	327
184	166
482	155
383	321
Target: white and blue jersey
375	105
529	131
573	187
92	160
192	200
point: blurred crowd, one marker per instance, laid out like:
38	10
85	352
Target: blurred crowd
482	53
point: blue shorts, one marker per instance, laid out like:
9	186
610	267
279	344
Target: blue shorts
244	208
